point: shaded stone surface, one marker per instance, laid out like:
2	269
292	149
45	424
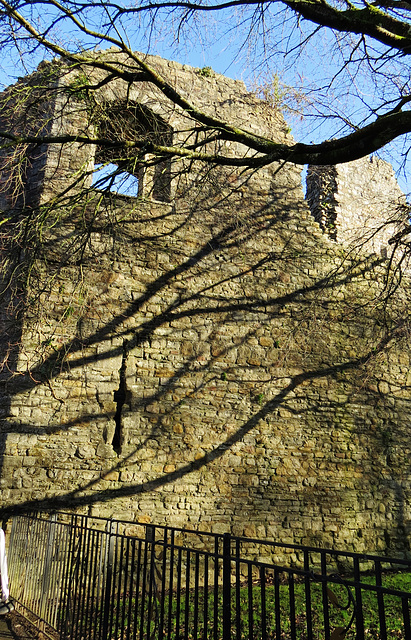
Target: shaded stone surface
217	362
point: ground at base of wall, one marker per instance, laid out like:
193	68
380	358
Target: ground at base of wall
15	627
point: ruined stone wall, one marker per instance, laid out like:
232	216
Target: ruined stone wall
216	363
359	203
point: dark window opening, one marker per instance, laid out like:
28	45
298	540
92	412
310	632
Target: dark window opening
162	181
132	172
121	397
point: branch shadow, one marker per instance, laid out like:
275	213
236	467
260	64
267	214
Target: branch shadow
263	285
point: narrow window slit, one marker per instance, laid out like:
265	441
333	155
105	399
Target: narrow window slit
121	396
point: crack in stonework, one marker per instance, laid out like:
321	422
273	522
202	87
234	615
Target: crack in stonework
120	397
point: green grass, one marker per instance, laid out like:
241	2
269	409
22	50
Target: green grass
250	617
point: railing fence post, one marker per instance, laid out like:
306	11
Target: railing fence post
109	578
150	542
227	586
66	590
47	568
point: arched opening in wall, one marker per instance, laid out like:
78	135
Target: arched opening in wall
132	172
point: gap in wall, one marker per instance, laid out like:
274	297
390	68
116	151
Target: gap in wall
109	177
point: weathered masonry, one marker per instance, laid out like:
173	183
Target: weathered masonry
199	350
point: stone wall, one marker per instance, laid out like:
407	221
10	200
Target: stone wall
214	362
359	203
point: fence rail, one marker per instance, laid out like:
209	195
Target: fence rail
95	579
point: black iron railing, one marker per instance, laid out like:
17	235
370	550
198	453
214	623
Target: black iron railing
93	579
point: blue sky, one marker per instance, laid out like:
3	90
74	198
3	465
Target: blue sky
219	44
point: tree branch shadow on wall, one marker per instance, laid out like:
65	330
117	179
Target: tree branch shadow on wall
293	371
